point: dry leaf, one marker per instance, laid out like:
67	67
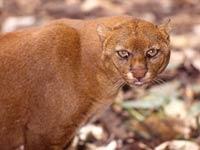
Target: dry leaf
178	145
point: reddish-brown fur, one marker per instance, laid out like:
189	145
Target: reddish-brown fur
52	78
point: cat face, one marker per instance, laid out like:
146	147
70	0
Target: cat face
137	50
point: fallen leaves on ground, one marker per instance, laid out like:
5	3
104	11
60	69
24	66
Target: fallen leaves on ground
166	115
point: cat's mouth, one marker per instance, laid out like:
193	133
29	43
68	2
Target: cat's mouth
138	83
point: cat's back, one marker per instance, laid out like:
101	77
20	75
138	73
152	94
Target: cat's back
31	56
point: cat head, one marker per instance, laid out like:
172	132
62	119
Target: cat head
138	50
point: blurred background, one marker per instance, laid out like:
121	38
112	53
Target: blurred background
165	116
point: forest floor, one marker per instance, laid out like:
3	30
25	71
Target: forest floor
165	116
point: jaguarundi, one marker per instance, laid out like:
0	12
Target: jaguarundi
54	77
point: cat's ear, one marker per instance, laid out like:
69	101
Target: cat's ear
102	31
166	28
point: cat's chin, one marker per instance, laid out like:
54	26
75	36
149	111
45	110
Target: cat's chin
139	84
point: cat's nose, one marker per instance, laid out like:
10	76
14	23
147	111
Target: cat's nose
139	73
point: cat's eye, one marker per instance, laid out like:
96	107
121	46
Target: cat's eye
123	54
152	53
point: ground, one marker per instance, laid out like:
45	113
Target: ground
164	116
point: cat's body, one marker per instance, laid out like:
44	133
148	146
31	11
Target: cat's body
52	78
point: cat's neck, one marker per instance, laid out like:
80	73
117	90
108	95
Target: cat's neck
102	82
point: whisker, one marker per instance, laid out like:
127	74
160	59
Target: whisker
153	82
161	80
118	83
157	81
